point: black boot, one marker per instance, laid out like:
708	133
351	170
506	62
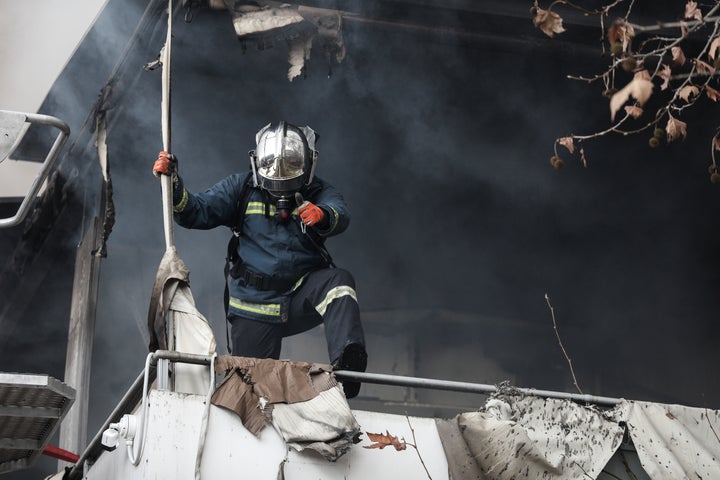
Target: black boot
353	358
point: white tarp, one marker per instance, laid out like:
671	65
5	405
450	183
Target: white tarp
518	436
538	438
175	323
673	441
192	335
332	437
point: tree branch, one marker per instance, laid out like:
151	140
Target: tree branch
681	86
557	334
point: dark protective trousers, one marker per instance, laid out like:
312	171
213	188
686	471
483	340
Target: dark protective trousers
326	296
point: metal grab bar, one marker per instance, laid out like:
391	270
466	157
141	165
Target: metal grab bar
467	387
63	134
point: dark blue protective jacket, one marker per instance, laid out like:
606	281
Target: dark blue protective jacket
267	246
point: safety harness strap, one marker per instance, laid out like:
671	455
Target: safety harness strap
259	281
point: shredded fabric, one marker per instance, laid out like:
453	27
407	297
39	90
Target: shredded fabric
324	424
172	304
517	436
530	438
302	401
172	272
674	441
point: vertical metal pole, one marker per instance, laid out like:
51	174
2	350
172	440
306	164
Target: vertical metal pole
166	180
73	431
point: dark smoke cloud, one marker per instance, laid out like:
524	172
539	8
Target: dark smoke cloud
460	225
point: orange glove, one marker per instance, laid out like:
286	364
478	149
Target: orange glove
310	214
166	164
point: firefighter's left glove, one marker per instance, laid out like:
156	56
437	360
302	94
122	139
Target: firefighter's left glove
166	164
311	214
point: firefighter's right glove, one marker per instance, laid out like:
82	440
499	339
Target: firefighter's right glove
166	164
311	214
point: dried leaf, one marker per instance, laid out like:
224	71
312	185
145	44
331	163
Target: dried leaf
675	128
683	29
688	91
665	73
642	74
582	156
568	143
383	440
678	56
634	111
712	94
713	48
670	415
620	32
615	33
717	143
703	68
549	22
692	12
638	88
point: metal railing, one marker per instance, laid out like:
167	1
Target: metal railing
12	125
134	394
435	384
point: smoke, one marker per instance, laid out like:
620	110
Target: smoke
460	225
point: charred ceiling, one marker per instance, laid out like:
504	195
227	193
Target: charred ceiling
491	23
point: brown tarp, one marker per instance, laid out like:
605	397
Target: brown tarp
249	380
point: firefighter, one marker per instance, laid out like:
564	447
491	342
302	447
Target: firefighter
280	278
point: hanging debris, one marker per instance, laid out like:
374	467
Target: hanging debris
266	23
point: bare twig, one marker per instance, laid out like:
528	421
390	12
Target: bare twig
667	25
557	334
414	445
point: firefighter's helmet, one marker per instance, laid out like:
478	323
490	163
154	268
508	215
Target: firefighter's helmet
284	158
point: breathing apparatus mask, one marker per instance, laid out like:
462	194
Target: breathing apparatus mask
283	162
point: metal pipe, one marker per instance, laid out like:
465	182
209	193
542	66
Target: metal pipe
417	382
398	380
181	357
